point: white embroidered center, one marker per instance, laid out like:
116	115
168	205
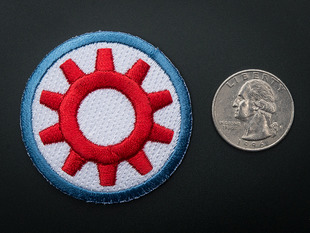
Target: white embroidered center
106	117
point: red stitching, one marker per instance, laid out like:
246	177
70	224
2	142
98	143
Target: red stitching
73	163
141	163
138	71
51	134
71	71
160	99
161	134
107	174
82	149
70	127
104	60
51	100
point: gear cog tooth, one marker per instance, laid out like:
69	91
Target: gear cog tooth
141	163
71	71
161	134
138	71
51	100
160	99
51	135
107	174
104	61
73	163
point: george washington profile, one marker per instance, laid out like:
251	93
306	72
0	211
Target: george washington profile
255	105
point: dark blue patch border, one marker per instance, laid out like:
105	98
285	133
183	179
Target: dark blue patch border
123	195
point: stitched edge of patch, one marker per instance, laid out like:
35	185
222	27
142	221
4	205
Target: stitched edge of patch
93	196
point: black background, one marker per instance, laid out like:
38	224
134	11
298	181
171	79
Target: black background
217	188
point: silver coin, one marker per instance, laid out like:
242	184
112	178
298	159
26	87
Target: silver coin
253	110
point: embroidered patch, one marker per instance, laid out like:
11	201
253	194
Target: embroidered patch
106	117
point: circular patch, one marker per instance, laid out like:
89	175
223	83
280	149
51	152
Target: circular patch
106	117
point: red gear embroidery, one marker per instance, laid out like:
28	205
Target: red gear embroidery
83	150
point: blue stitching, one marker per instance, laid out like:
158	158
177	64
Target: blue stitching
123	195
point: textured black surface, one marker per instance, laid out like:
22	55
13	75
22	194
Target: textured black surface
217	188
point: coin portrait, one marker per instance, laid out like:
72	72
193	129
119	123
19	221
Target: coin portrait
253	110
255	104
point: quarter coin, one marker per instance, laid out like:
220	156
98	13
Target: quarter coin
253	110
